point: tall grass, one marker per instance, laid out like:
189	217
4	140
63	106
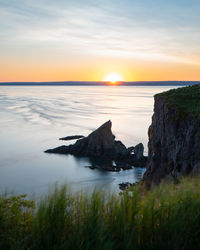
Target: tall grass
166	217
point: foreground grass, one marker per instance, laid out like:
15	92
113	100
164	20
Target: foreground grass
167	217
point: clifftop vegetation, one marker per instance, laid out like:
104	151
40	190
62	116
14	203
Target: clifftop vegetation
186	99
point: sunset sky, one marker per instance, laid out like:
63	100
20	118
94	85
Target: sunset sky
64	40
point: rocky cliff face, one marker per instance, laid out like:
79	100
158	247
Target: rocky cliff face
174	136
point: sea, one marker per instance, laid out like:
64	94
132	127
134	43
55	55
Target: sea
33	118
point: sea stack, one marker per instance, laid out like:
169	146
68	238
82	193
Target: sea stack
101	143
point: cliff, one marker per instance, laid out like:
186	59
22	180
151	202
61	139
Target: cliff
174	135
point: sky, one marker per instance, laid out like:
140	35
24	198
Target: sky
87	40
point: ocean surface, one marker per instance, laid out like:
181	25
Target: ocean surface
32	118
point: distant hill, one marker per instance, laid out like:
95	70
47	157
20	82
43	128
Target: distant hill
85	83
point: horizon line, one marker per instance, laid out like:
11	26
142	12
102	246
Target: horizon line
103	82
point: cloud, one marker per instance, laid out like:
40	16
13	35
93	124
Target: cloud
118	29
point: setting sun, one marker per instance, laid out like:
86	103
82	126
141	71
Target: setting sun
113	78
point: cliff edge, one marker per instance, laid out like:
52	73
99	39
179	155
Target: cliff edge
174	135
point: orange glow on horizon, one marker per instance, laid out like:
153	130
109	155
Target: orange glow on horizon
96	70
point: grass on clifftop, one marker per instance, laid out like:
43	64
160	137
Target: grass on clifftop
186	99
167	217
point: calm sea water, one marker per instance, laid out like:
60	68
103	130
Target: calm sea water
33	118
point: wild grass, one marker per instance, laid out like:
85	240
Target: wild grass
166	217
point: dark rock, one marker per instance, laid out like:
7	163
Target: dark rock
120	149
135	156
130	150
72	137
111	167
91	167
103	163
132	159
122	164
125	185
59	150
101	143
139	151
105	167
108	164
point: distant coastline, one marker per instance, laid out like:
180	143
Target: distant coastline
100	83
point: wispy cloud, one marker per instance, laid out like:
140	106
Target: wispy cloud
129	29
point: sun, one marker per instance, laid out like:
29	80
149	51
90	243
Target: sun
113	78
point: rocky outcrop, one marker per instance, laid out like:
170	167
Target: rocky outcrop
174	137
110	167
101	143
72	137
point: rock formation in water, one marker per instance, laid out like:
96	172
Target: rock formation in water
174	136
101	143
